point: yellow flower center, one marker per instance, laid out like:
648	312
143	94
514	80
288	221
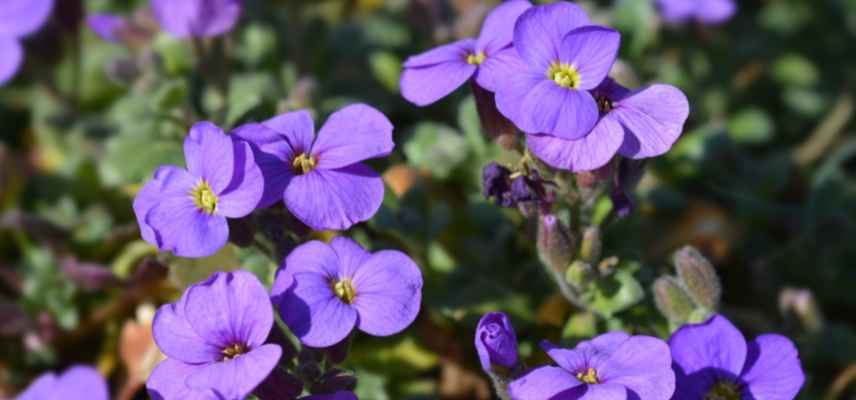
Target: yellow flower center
476	59
723	390
565	75
234	351
204	198
303	163
590	376
345	291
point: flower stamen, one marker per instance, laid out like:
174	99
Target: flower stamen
604	104
476	58
204	198
233	351
590	376
345	291
303	163
565	75
723	390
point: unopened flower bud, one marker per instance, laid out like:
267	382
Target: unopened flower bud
496	185
802	304
555	244
496	343
699	277
579	273
279	385
672	300
591	245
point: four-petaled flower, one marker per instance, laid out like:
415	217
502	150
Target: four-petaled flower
79	382
214	338
612	366
712	360
185	211
18	18
708	12
197	18
429	76
322	179
323	291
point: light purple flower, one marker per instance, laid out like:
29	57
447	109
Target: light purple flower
612	366
496	342
556	59
340	395
713	360
79	382
709	12
107	26
197	18
185	211
639	124
214	338
322	179
429	76
323	291
18	18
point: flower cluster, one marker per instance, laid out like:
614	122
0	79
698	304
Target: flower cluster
711	360
19	18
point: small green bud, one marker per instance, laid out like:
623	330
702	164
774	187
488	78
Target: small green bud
672	300
699	277
579	274
555	244
591	245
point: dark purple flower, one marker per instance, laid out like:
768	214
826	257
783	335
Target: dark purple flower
341	395
78	382
185	211
323	291
709	12
496	342
107	26
638	124
556	59
496	184
429	76
712	360
214	339
612	366
322	179
197	18
18	18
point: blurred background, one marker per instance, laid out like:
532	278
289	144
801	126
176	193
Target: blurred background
763	182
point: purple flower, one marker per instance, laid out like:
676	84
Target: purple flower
323	291
708	12
340	395
713	360
214	340
107	26
429	76
197	18
78	382
185	211
556	59
639	124
496	342
321	179
18	18
612	366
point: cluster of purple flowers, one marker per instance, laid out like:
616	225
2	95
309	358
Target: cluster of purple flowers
706	361
548	68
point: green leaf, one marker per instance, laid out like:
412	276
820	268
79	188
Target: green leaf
751	126
386	68
793	70
617	292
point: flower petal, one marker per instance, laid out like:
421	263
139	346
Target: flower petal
13	57
313	312
106	26
336	198
273	154
605	391
351	255
676	11
149	196
497	30
773	368
455	51
236	378
311	257
296	127
539	32
592	50
564	113
167	381
546	383
182	228
714	12
210	155
642	364
23	17
177	339
653	119
389	293
245	190
230	308
340	395
197	18
425	85
510	93
355	133
494	71
41	388
585	154
82	382
713	344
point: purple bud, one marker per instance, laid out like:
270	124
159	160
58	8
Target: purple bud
496	342
629	174
555	244
279	385
495	184
699	277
